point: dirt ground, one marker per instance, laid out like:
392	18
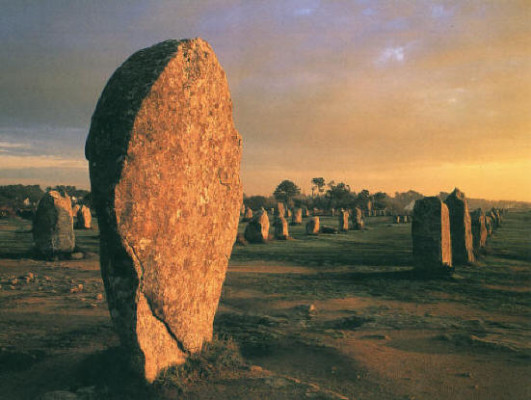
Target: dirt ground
335	317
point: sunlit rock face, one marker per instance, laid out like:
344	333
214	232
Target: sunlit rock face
343	218
430	230
296	218
257	230
53	231
313	226
281	228
460	228
164	159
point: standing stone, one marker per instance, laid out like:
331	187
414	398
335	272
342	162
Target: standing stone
280	210
281	228
257	231
84	218
306	213
460	228
432	247
396	219
53	225
333	212
312	226
248	215
405	219
343	220
75	209
357	219
489	225
288	213
479	230
242	210
296	218
164	161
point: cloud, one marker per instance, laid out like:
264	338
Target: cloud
391	54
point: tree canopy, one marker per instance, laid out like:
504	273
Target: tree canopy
286	191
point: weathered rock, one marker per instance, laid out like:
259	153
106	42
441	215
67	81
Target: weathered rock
495	218
479	230
396	219
164	161
432	247
280	209
357	219
460	228
489	224
75	209
53	230
281	228
288	213
306	213
312	226
257	231
248	215
343	220
296	218
84	218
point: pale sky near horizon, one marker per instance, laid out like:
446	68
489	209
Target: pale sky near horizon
385	96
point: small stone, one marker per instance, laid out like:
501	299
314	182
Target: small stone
14	281
99	296
256	368
77	255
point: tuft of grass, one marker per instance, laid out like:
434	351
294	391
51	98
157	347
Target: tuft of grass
219	359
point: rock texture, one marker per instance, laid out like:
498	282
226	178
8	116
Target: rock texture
296	218
312	226
432	247
343	220
248	215
460	228
53	226
357	219
479	230
84	218
257	231
280	209
164	160
281	228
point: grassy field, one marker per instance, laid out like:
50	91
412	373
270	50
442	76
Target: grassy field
326	317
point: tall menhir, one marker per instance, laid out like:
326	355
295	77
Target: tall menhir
164	159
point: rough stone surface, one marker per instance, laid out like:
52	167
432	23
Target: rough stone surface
296	218
432	247
75	209
257	230
357	219
489	224
306	213
343	220
164	161
479	230
53	229
84	218
281	228
248	215
312	226
460	228
280	209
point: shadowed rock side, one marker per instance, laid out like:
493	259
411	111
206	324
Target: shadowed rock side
257	230
479	230
460	228
84	218
53	229
164	160
432	248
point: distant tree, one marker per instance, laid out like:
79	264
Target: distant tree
14	195
319	185
255	202
339	195
286	191
380	200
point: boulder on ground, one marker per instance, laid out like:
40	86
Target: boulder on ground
312	226
460	228
343	220
328	230
281	228
84	218
257	230
432	247
357	219
479	230
53	225
164	160
296	218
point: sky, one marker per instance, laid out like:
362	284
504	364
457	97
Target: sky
382	95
